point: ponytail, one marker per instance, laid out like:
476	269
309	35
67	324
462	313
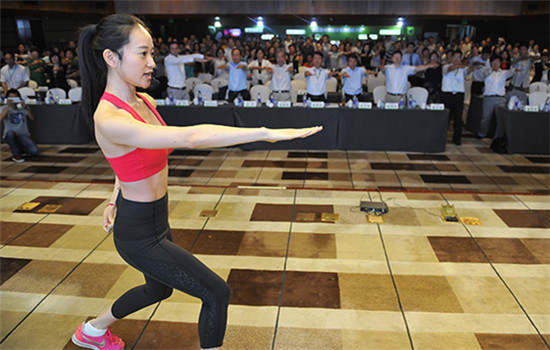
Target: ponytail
112	32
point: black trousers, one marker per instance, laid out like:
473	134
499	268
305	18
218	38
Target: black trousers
233	95
455	104
477	87
360	97
317	98
143	239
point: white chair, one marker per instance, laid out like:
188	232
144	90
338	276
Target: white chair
72	83
298	85
331	84
537	98
408	85
418	94
263	90
268	84
56	93
205	90
26	92
379	93
206	77
75	94
538	86
218	83
190	83
293	96
300	76
374	81
33	84
302	69
548	88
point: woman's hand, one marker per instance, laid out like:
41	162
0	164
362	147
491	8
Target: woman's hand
109	217
274	135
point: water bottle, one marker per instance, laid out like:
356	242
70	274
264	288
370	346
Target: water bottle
259	100
516	105
272	99
520	105
547	105
401	103
200	98
170	100
304	101
410	102
355	102
309	103
414	104
240	99
2	99
56	99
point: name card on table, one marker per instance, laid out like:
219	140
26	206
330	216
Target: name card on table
250	104
213	103
31	102
42	89
317	104
530	108
365	105
160	102
391	105
302	92
284	104
437	106
65	101
184	103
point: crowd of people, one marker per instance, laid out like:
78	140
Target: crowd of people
440	67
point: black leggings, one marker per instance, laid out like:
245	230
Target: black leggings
142	237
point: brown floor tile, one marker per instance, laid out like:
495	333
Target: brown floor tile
10	230
41	235
427	293
305	338
91	280
184	238
288	175
283	212
10	266
520	218
311	289
510	341
311	245
367	292
255	287
38	276
506	251
216	242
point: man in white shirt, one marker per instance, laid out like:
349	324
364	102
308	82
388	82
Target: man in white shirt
493	95
281	75
396	77
478	77
522	66
317	79
452	88
237	76
175	71
259	69
353	79
13	75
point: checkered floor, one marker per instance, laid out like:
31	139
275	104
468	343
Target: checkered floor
307	268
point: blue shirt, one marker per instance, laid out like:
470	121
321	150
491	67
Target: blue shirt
354	84
16	121
410	59
237	77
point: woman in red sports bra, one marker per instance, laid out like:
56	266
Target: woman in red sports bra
116	57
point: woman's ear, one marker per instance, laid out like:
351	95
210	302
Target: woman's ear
111	58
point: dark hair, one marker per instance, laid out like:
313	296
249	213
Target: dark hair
486	50
494	57
260	50
457	51
434	53
354	56
319	53
13	91
236	49
399	52
112	32
55	54
410	43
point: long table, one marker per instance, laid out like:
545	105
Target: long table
526	132
343	128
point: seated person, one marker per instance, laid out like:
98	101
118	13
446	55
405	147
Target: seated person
317	79
57	73
352	76
16	132
237	76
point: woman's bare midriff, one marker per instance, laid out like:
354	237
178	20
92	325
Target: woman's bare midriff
146	190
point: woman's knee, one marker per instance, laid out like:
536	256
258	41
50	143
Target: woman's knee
160	293
223	292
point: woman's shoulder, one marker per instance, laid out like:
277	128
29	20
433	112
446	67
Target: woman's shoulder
148	97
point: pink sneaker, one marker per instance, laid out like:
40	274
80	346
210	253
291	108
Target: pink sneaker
108	341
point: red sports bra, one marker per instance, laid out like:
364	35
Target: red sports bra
140	163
